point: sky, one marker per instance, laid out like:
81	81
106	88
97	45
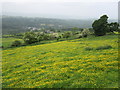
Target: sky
66	9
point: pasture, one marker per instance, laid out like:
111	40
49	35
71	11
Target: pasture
6	42
74	63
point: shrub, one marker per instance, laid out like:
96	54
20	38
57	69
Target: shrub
85	32
67	34
30	37
88	48
1	46
84	35
80	36
54	36
58	38
16	43
46	37
103	47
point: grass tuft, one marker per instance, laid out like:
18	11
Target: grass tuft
88	48
104	47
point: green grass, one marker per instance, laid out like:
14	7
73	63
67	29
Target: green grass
64	64
6	42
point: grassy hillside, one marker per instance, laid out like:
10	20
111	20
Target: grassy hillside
6	42
66	64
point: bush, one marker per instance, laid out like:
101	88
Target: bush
84	35
30	37
16	43
85	32
1	46
78	36
46	37
54	36
88	48
67	34
103	47
58	38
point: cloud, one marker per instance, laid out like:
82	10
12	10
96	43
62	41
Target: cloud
58	8
23	1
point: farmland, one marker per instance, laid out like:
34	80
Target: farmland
74	63
6	42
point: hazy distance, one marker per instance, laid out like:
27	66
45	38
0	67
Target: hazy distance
61	10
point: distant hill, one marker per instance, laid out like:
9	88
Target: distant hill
17	24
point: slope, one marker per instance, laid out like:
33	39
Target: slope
65	64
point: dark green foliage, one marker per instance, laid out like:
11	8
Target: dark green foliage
84	35
30	37
100	26
33	37
98	48
113	27
1	46
67	34
58	38
91	31
16	43
46	37
80	36
103	47
88	48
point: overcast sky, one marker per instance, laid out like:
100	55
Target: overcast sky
73	9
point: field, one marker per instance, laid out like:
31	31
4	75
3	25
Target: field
6	42
78	63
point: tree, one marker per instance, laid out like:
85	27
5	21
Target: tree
30	37
67	34
16	43
113	27
100	26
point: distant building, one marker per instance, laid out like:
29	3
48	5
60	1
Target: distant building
32	28
48	31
